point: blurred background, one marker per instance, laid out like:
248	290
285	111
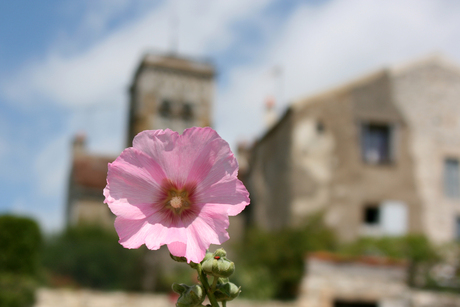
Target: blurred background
344	115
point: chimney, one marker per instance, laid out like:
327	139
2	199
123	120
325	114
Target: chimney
270	112
79	145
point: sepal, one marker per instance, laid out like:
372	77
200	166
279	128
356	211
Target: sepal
227	291
178	259
190	296
218	265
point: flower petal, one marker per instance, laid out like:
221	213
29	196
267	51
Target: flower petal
133	185
229	192
187	158
211	225
205	150
160	145
132	233
208	228
178	249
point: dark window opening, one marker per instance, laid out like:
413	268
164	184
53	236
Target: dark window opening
320	127
457	237
451	178
376	143
371	215
165	109
187	112
354	304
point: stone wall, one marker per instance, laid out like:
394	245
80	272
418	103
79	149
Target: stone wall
178	81
428	94
368	280
89	298
329	172
433	299
269	181
376	281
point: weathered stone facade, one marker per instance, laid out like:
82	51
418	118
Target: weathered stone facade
332	281
89	298
86	182
371	155
170	92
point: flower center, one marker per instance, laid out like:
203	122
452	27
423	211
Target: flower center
177	200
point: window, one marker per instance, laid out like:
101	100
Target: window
376	143
451	178
371	215
187	112
388	218
165	109
320	127
457	237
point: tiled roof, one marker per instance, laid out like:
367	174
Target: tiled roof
179	63
91	171
369	260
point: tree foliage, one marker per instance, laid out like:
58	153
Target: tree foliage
271	264
416	249
20	245
91	256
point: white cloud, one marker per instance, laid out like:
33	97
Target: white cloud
51	167
103	71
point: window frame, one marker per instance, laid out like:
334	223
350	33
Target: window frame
451	190
391	142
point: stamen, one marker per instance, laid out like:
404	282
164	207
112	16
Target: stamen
176	202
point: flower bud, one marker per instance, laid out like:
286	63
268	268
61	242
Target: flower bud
179	288
222	280
218	265
227	292
207	256
190	296
178	259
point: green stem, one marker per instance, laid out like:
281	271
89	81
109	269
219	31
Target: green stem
214	284
204	282
224	303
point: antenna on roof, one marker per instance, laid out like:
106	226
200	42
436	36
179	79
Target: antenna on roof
174	30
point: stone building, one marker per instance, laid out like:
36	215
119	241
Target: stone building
378	156
86	182
168	91
337	281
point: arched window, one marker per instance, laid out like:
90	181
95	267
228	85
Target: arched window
165	109
187	112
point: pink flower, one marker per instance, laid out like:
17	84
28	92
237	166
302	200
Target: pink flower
177	190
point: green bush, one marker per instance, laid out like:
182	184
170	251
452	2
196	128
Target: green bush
91	256
20	244
416	249
271	264
16	290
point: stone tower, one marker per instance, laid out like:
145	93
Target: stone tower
170	92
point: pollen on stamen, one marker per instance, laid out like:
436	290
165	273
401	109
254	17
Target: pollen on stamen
176	202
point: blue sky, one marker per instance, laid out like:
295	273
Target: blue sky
65	67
